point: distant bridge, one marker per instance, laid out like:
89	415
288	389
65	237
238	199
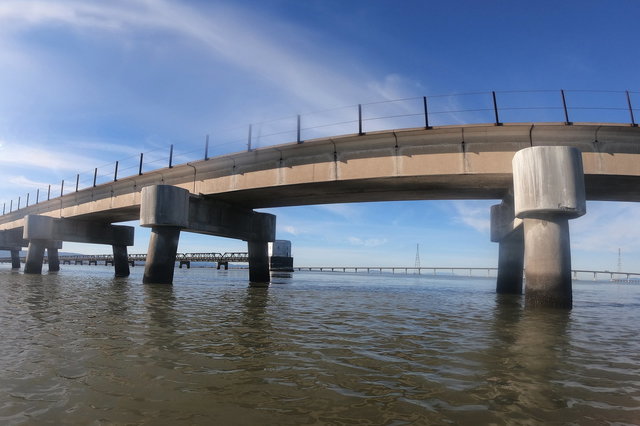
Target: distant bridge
457	270
222	259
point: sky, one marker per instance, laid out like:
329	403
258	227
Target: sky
85	83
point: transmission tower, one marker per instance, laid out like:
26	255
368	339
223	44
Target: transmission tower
417	255
619	260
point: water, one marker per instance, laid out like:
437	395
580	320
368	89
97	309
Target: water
81	347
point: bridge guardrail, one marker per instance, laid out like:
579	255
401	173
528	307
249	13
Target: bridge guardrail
495	107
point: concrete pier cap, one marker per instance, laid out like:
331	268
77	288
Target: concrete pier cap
548	180
164	205
38	227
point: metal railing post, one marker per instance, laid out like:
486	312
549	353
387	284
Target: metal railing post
298	139
37	195
11	206
18	203
27	200
115	173
140	165
62	188
206	149
495	108
633	120
360	120
249	139
426	113
4	207
77	181
564	106
49	193
95	176
171	156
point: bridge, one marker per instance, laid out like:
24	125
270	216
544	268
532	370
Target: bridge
542	172
460	271
222	259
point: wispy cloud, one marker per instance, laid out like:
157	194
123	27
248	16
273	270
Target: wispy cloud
226	32
292	230
24	182
367	242
345	211
474	214
14	154
607	226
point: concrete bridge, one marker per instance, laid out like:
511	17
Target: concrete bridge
542	172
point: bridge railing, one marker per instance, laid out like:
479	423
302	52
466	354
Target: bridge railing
495	107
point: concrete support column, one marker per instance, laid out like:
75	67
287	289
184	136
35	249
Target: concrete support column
281	259
35	257
548	260
54	260
161	256
511	263
15	259
548	191
121	261
165	209
259	261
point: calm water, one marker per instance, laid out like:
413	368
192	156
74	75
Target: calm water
81	347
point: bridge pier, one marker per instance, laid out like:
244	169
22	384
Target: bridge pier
54	259
167	210
548	260
548	191
48	232
510	237
35	257
15	259
120	260
12	240
258	261
224	265
281	259
161	256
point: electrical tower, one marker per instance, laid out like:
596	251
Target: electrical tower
619	260
417	255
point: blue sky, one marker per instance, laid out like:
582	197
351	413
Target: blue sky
86	83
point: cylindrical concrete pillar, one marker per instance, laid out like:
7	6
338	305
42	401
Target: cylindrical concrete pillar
161	256
35	256
548	260
121	261
15	259
54	260
549	190
511	263
259	262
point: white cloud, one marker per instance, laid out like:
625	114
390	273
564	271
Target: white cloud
345	211
291	230
474	214
368	242
23	182
14	154
607	226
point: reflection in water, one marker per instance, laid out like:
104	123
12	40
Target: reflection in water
254	334
530	347
84	348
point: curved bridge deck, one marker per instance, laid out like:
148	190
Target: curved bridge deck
451	162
